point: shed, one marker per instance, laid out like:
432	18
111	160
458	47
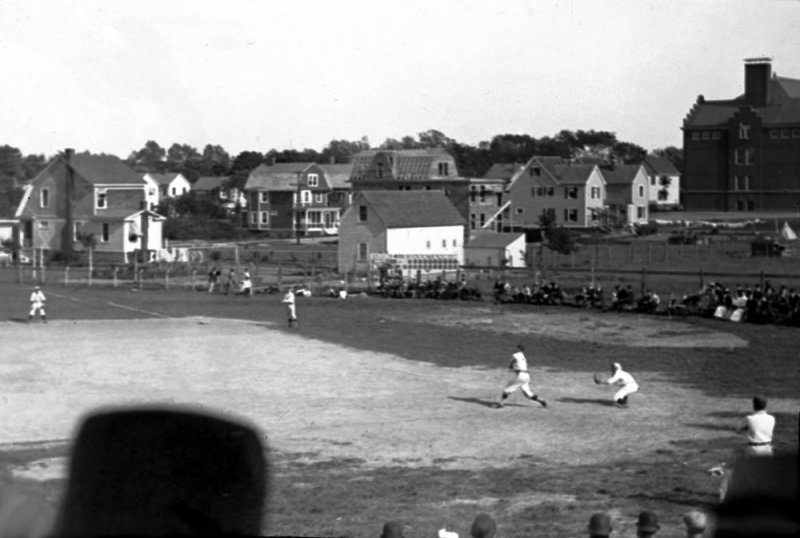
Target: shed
496	250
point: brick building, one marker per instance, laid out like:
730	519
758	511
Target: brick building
743	154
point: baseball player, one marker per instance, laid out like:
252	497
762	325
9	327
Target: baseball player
622	379
759	427
521	380
288	300
37	304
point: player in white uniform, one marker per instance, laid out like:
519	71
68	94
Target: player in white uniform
522	379
759	427
37	304
625	381
288	300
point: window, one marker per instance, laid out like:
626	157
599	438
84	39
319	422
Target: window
739	205
455	243
773	133
253	217
444	243
313	180
483	219
551	191
472	221
533	191
318	197
263	197
751	206
744	156
362	213
44	225
363	251
716	135
44	198
744	131
571	192
795	133
539	191
746	183
695	135
473	194
571	214
151	191
784	133
483	193
519	211
652	180
706	135
174	191
641	191
104	236
428	245
76	229
379	171
535	171
444	169
264	217
100	199
596	193
305	197
639	212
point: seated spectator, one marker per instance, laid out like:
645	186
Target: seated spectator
600	526
647	525
157	472
392	529
483	527
695	524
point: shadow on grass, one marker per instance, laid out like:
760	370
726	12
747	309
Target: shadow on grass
486	403
21	320
714	427
597	401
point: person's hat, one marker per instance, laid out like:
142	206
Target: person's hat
392	529
648	522
600	524
153	471
695	521
483	526
616	365
759	402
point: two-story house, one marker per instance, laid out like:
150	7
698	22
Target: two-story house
217	188
627	193
296	198
665	182
571	194
88	194
409	230
743	154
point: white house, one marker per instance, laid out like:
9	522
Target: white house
488	249
166	186
627	194
408	230
664	182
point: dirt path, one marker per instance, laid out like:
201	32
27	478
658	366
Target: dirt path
327	401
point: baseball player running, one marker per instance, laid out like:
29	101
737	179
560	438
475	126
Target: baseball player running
37	304
521	380
622	379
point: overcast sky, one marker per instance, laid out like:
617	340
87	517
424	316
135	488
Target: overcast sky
254	75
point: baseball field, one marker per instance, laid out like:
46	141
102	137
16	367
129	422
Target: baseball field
376	409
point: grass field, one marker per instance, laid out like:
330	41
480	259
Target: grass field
396	421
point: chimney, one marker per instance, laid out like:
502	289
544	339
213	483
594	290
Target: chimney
757	72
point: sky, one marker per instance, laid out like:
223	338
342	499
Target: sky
107	76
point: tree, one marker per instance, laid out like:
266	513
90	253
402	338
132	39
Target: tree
178	154
672	154
629	153
434	139
89	241
341	151
216	161
148	159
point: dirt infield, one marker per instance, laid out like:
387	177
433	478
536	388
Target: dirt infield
326	401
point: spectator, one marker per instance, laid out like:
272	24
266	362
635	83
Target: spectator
213	278
695	524
647	525
600	526
230	282
483	526
392	529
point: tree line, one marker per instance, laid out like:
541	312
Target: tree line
214	160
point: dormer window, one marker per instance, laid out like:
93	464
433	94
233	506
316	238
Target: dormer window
444	169
380	170
744	131
313	180
101	200
44	198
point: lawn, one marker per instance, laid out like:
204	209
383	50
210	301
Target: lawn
397	422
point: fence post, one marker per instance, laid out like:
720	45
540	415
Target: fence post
115	276
89	276
66	275
166	279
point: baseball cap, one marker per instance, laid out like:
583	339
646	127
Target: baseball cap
600	524
695	521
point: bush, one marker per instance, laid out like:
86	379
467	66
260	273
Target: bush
195	227
65	258
649	228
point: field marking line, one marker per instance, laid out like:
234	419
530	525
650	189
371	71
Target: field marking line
133	309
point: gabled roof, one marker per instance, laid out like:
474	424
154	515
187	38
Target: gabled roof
163	179
493	240
573	174
621	174
209	183
275	177
407	164
413	209
338	174
660	166
783	106
104	170
502	171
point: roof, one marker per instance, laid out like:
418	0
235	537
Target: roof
338	174
783	106
502	171
104	169
621	174
493	240
408	164
573	174
209	183
275	177
122	214
660	166
163	179
413	209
